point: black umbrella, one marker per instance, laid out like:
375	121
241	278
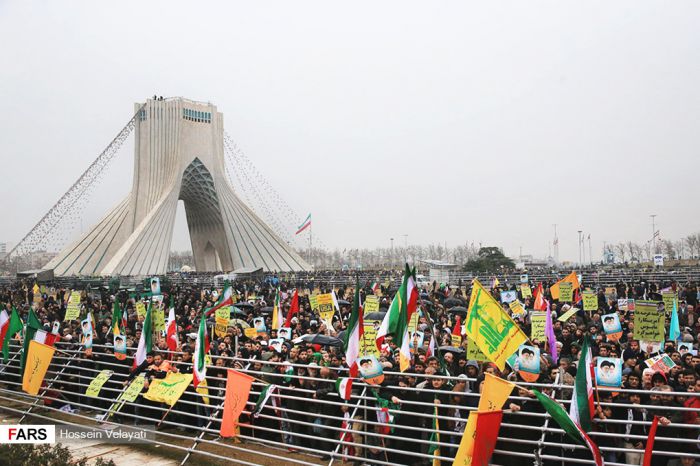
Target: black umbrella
244	305
319	339
378	315
266	310
458	310
342	302
238	312
451	349
425	296
450	302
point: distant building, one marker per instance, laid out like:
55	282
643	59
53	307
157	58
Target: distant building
441	271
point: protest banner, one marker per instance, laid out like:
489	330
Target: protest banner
222	316
608	372
566	292
73	307
669	298
413	323
371	304
251	332
368	344
140	309
528	362
622	304
159	319
516	308
38	360
508	296
567	315
133	390
525	291
612	326
96	384
169	389
538	321
661	362
313	302
590	300
649	321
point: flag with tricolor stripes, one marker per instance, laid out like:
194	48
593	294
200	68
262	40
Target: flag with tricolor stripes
344	387
304	225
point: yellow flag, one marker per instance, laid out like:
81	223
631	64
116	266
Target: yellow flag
571	278
96	384
203	389
491	328
169	389
466	445
495	392
39	357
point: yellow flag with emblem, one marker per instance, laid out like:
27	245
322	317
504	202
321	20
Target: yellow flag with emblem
169	389
494	394
39	358
491	328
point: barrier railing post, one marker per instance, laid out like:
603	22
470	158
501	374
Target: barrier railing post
48	385
342	434
199	438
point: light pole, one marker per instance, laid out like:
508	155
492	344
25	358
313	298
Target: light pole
405	248
391	261
653	234
579	247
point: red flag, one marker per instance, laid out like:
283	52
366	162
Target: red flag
650	442
237	391
457	330
487	427
540	304
293	308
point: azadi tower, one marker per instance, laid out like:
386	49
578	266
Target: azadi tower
179	154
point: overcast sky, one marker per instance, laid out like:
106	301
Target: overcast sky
449	121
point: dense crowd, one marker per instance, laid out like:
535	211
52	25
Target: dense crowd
316	367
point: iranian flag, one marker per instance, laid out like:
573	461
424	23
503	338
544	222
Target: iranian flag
226	299
581	410
354	334
171	331
47	338
33	325
375	287
305	224
344	387
540	304
293	308
146	340
569	425
9	331
116	318
201	348
396	319
4	325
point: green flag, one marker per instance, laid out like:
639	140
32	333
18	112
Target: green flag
32	326
14	326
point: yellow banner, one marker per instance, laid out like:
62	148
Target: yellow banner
39	357
251	332
669	297
133	390
491	328
371	304
566	292
538	321
413	323
327	317
313	301
567	315
571	278
494	393
517	308
140	309
159	320
73	307
590	300
96	384
169	389
368	344
525	290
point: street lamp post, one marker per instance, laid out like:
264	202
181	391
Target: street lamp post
580	261
391	260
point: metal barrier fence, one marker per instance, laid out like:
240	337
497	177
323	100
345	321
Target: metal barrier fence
308	424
